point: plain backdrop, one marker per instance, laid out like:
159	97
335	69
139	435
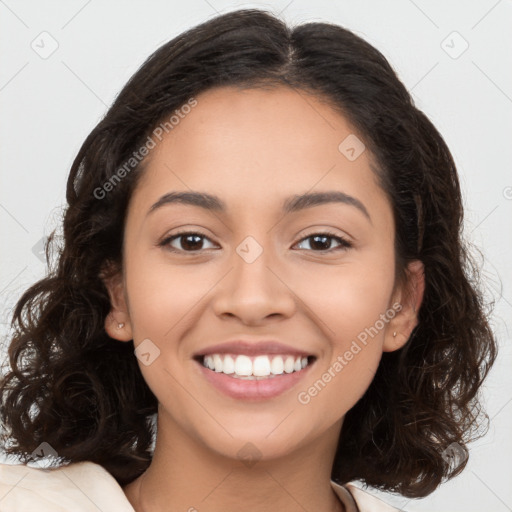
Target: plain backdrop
63	62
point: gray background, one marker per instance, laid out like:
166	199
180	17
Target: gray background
49	104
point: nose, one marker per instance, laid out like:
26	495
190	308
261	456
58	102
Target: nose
254	290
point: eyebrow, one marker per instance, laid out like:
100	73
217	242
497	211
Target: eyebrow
292	204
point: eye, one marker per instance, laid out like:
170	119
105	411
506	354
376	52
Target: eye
322	242
190	241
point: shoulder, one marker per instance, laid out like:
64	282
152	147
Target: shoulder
357	500
80	486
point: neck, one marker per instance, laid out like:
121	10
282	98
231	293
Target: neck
186	475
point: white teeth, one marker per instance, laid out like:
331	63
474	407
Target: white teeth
289	364
263	366
217	361
277	365
243	366
208	362
229	365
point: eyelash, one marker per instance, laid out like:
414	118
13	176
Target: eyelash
343	243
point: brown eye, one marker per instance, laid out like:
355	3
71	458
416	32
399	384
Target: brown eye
322	242
189	241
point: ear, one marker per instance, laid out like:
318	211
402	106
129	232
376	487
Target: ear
409	295
117	322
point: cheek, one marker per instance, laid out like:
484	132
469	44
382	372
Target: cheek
351	357
349	298
162	296
352	305
337	387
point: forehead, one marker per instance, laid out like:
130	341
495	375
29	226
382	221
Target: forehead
253	147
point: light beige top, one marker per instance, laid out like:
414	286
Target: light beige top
88	487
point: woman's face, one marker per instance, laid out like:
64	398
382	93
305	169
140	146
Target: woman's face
260	268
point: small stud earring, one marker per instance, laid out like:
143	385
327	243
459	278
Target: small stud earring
394	334
120	326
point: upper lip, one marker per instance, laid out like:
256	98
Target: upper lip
252	348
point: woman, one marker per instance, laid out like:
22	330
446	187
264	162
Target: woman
291	338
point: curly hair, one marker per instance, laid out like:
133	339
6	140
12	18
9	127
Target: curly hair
70	385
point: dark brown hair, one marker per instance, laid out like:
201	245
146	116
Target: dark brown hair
72	386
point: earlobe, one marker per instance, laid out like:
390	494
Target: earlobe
120	331
410	298
117	322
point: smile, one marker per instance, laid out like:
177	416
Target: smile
260	377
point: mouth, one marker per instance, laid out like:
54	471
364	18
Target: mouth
250	377
240	366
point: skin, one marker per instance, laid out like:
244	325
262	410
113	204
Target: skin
253	148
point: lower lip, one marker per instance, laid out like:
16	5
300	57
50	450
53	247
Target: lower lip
253	389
